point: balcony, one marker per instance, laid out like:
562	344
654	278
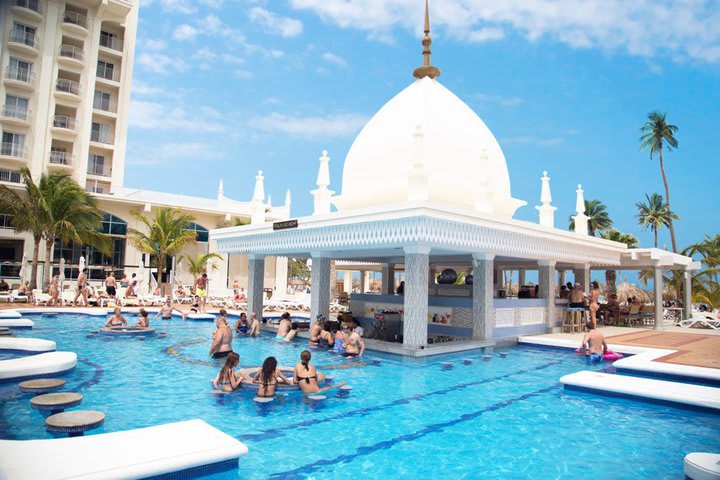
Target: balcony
28	8
64	126
75	22
112	45
108	76
12	151
102	138
68	89
72	55
24	41
99	171
20	77
15	114
60	160
10	176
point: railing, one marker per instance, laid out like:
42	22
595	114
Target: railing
112	43
99	105
101	170
76	18
27	38
33	5
10	149
19	74
13	111
71	51
64	121
10	176
68	86
61	158
101	138
107	73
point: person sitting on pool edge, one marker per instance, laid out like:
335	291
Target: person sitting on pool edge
284	326
353	343
222	338
116	320
305	376
227	379
144	321
267	378
241	326
593	343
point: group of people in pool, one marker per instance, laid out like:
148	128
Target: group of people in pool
305	376
116	320
346	340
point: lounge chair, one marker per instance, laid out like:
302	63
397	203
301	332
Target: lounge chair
18	297
631	316
707	322
647	315
42	298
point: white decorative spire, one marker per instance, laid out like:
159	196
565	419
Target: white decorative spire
288	199
546	211
269	201
417	178
581	220
221	191
258	206
322	194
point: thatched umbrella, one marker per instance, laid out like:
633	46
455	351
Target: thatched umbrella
626	290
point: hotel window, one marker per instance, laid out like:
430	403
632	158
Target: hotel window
108	40
19	70
96	164
101	101
23	34
15	107
13	144
105	70
100	133
202	234
6	220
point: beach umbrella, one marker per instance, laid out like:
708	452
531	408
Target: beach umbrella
81	266
153	283
23	270
62	272
626	290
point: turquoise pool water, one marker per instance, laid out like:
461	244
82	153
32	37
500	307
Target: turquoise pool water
405	418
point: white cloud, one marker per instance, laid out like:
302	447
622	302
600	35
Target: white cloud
533	140
212	3
335	59
497	99
140	88
680	29
276	24
156	116
166	153
178	6
152	44
338	125
159	63
185	32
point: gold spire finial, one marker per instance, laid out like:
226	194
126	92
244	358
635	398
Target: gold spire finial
426	70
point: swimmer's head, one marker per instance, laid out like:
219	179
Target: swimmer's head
589	325
223	312
117	310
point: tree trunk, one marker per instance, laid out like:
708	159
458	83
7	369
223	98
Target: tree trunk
161	260
35	260
610	279
667	200
655	233
333	281
48	252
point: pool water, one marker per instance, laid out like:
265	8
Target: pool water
405	418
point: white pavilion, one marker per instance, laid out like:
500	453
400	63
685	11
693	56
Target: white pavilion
425	187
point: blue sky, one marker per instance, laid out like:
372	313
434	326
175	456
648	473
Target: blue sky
223	88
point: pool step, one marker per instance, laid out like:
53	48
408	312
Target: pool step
644	388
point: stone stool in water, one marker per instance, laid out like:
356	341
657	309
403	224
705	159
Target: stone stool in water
56	402
5	331
74	423
41	385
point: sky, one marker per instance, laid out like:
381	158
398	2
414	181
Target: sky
224	88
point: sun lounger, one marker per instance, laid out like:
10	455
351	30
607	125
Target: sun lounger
700	322
18	297
141	453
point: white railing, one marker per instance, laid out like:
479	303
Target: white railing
19	74
61	158
112	43
68	86
76	18
27	38
101	138
13	111
100	170
71	51
10	149
112	74
10	176
64	121
33	5
105	107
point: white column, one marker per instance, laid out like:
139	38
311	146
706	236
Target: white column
281	275
582	276
256	276
347	281
521	277
658	287
415	317
363	281
320	288
483	311
546	290
687	292
388	279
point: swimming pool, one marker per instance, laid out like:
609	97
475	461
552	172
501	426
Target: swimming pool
405	418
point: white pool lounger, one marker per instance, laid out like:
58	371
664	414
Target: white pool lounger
42	364
650	389
35	345
140	453
702	466
16	323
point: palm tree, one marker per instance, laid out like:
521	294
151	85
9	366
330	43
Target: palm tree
654	213
27	212
166	234
237	222
656	132
709	249
598	218
611	275
197	264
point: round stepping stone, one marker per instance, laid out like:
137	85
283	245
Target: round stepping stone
446	364
263	399
56	402
329	379
467	361
375	361
317	398
487	357
345	388
41	385
74	423
502	354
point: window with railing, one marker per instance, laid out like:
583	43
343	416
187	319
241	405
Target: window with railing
15	107
33	5
10	176
101	101
19	70
75	18
6	220
13	144
96	165
59	156
71	51
100	133
24	34
110	40
64	121
68	86
105	70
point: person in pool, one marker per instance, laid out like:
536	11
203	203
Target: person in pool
222	338
241	326
267	378
339	343
354	344
293	331
254	325
316	329
228	380
284	326
166	310
305	376
144	321
116	320
593	343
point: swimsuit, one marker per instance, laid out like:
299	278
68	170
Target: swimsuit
201	292
595	357
243	328
110	289
307	379
221	354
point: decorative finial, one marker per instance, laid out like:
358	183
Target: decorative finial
426	70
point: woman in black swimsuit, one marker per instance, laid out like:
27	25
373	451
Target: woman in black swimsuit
268	377
305	376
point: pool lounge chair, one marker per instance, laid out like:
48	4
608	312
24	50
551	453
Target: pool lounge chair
18	297
695	322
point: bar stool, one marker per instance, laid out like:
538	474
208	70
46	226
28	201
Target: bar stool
580	319
568	320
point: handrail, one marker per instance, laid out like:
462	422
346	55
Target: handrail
112	43
64	121
33	5
26	38
71	51
10	149
19	74
61	158
68	86
75	18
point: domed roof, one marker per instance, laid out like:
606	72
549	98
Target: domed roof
426	139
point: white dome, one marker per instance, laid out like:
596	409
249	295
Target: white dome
460	160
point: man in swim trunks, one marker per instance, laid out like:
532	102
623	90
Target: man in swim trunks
577	297
593	343
284	326
254	325
166	310
354	344
222	338
82	288
111	285
201	290
117	320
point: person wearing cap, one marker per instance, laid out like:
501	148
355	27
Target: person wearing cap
577	297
